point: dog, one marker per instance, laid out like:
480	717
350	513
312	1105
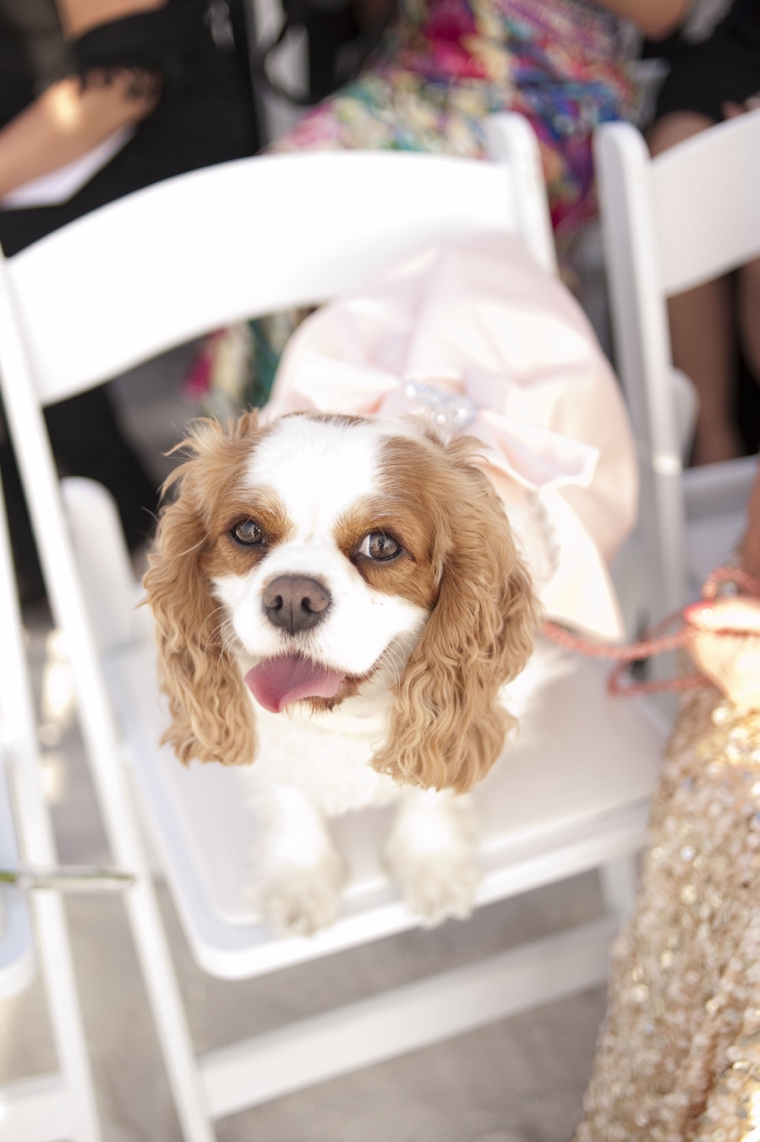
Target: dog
339	601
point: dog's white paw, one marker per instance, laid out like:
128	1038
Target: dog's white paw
296	873
432	856
298	901
437	887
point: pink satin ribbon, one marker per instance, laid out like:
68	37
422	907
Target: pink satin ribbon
536	457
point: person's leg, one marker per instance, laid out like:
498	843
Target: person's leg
749	314
749	323
702	338
750	545
701	328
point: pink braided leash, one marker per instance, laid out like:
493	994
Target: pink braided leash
655	641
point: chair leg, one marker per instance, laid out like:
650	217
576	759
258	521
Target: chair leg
619	881
104	750
65	1017
36	836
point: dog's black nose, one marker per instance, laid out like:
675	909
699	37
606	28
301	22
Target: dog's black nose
296	603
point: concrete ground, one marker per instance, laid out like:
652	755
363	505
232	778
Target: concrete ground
520	1078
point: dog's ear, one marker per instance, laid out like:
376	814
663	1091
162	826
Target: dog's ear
211	712
447	726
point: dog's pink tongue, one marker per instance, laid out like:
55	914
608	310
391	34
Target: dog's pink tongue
277	682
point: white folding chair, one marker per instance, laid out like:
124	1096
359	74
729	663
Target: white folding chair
669	224
60	1105
141	275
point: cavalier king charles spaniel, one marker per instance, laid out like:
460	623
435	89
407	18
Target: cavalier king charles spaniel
339	600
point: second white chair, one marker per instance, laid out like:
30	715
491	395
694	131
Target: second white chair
669	224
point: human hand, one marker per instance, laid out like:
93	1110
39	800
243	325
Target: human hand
726	646
68	119
731	110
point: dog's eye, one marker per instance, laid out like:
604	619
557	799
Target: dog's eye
247	532
378	545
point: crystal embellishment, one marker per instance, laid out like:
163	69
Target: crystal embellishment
448	411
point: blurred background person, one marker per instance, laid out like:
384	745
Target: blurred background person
445	65
103	97
440	68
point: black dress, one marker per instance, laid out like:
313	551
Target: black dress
204	117
724	68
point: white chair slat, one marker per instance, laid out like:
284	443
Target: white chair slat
232	241
707	205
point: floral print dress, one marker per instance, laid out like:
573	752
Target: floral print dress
440	71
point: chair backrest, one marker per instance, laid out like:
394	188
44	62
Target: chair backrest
200	251
669	223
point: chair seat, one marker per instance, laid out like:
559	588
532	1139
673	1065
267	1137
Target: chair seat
17	959
542	814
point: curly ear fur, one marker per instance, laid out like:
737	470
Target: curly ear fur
447	726
212	718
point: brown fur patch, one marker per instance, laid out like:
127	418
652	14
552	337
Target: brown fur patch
211	713
398	514
447	726
227	557
342	419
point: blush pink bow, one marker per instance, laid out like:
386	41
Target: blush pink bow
533	456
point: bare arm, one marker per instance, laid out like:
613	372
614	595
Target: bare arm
656	18
68	120
78	16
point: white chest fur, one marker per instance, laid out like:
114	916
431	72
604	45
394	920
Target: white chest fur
330	764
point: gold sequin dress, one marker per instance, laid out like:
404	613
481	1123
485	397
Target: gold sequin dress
678	1056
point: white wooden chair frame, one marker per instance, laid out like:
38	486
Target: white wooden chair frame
59	1105
171	262
669	224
